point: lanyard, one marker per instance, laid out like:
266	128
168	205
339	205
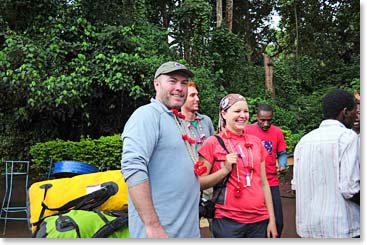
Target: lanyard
249	170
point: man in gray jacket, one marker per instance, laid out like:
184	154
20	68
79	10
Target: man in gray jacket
157	163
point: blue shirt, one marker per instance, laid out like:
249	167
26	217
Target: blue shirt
153	150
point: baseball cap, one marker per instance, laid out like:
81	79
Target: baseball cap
170	67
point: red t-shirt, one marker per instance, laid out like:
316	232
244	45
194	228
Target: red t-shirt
273	141
250	206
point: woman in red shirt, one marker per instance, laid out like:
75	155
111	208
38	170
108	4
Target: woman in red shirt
244	206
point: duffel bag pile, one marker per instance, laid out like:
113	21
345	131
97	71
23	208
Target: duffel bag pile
101	191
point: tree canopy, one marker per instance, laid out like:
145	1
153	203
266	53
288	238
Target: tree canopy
72	69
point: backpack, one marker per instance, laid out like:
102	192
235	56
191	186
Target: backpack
84	224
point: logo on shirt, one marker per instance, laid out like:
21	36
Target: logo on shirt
268	146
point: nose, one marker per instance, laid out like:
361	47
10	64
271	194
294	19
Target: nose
180	86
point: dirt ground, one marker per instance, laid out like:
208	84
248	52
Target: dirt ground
20	229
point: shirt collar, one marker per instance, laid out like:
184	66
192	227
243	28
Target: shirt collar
161	105
331	122
230	135
198	116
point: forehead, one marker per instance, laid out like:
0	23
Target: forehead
264	114
192	90
239	105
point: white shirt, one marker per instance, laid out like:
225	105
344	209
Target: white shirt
325	175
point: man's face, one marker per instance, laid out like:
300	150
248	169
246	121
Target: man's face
264	119
356	126
171	89
349	117
192	100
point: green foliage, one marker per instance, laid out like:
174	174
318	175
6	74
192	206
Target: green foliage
291	139
74	69
191	32
54	76
209	93
228	58
251	22
104	151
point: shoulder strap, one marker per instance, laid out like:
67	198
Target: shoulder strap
221	142
111	226
89	201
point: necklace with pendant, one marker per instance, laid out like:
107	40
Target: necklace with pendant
192	128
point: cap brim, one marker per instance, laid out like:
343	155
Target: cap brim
185	71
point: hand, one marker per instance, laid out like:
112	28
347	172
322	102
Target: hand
231	159
272	230
282	169
156	231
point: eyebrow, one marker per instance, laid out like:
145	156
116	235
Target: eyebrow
174	78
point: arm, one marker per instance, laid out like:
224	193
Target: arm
349	170
138	145
208	180
141	197
281	151
282	160
272	228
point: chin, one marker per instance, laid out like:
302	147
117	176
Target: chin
177	103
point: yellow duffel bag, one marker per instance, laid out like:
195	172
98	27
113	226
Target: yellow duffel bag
52	196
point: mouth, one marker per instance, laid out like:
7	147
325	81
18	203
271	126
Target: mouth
241	122
178	96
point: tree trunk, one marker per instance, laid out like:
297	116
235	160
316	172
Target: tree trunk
268	66
219	13
297	40
229	14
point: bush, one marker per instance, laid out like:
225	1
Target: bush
105	151
291	139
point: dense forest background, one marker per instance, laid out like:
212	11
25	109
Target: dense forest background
71	69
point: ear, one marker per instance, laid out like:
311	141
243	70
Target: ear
223	114
345	111
156	83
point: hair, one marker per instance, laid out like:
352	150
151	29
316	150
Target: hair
191	84
335	101
264	107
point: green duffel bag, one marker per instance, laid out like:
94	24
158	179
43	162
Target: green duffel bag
84	224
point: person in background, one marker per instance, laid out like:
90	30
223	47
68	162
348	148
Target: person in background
273	141
356	126
244	207
326	175
157	165
199	127
357	123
